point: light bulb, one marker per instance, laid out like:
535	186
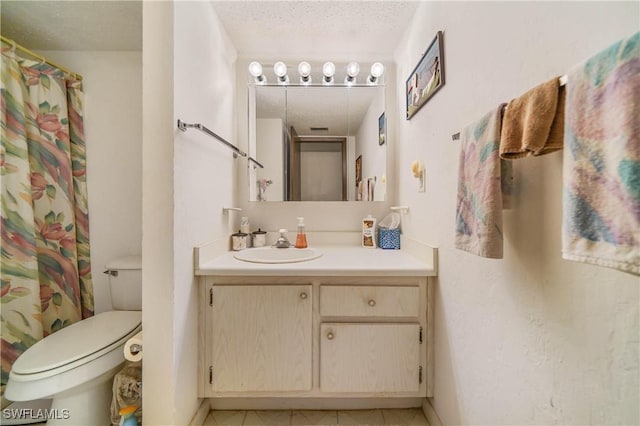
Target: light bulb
280	70
305	70
353	69
377	69
255	69
328	69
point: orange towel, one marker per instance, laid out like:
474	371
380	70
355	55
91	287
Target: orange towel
533	123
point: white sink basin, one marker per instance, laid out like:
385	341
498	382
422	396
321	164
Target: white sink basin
277	255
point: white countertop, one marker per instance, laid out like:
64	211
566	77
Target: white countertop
335	261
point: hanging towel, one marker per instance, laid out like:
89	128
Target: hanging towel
479	206
601	176
533	123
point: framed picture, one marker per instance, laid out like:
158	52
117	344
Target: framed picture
382	129
427	77
358	169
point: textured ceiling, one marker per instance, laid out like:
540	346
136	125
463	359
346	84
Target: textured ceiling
73	25
336	30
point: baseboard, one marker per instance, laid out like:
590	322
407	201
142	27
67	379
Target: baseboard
267	403
430	413
201	414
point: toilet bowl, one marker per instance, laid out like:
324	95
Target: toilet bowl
76	365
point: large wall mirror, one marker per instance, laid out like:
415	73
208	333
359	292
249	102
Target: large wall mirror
317	143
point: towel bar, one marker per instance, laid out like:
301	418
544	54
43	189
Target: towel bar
184	126
562	80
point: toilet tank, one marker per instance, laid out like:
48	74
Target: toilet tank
125	280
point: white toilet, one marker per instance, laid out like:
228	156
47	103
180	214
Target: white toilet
75	366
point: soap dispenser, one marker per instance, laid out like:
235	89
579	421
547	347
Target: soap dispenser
301	238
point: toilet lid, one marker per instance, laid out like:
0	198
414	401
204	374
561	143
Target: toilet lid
77	341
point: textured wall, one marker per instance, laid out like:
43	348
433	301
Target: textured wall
158	398
204	170
531	338
187	178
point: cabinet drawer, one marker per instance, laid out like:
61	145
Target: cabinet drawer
369	301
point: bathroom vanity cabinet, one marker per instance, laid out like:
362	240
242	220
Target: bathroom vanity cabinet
352	328
315	336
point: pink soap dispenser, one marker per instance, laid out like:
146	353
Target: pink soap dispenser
301	238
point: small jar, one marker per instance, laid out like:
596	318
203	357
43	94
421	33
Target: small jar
259	238
239	241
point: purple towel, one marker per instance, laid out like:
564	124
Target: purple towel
479	207
601	200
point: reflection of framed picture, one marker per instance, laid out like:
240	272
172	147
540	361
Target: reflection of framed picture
358	169
427	77
382	129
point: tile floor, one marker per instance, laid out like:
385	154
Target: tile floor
404	417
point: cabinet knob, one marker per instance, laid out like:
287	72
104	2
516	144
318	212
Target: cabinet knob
372	302
330	336
303	295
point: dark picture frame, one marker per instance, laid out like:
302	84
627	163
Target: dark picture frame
427	77
382	129
358	169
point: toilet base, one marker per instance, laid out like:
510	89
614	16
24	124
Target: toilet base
85	405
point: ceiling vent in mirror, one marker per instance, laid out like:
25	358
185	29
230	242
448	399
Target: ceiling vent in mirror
319	129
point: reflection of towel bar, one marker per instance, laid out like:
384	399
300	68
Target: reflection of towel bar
254	161
563	82
231	209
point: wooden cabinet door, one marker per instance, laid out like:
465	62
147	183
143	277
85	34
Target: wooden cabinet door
370	357
260	338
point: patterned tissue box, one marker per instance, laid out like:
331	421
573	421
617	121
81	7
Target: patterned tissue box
389	238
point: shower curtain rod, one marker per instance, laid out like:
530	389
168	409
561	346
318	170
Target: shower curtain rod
42	58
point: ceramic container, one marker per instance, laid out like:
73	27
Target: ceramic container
259	238
239	241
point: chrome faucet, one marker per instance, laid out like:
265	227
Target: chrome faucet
282	241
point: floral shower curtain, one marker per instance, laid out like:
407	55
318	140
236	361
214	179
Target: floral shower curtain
46	269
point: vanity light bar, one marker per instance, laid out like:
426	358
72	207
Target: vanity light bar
328	73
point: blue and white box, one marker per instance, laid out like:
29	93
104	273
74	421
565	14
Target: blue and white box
389	238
